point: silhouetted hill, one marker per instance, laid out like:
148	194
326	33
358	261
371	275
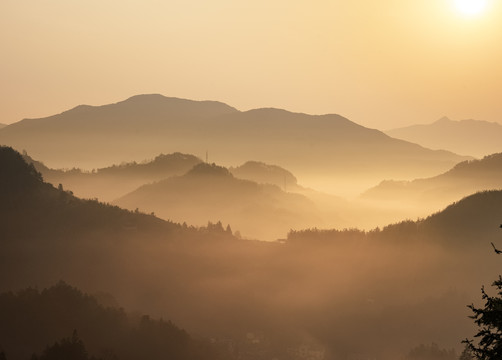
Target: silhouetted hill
266	174
471	222
315	147
33	320
109	183
468	137
432	193
27	199
212	193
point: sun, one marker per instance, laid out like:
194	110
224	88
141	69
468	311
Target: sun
471	7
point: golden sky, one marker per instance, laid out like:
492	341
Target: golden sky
381	63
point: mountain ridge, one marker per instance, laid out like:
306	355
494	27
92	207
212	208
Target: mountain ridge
473	137
425	195
109	183
312	146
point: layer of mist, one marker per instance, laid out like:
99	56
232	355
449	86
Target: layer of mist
420	197
324	294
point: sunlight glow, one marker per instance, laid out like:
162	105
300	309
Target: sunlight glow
471	7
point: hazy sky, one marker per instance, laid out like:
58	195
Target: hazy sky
381	63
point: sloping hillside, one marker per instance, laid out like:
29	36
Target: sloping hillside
95	136
433	193
111	182
67	323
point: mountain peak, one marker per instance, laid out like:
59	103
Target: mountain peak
264	173
443	120
152	99
176	156
205	169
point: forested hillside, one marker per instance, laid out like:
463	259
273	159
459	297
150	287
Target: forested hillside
61	322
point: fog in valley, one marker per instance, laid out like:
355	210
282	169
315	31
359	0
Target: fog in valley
250	180
250	262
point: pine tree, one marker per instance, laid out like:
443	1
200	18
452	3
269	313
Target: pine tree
489	321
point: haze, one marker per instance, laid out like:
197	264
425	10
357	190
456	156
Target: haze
250	180
383	64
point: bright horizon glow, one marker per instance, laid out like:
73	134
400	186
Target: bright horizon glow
471	7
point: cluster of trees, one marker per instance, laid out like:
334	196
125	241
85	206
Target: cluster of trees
32	320
459	225
67	348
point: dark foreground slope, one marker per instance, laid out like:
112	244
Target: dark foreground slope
313	147
344	294
61	322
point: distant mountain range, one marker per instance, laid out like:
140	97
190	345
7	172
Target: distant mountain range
467	137
329	149
211	192
436	192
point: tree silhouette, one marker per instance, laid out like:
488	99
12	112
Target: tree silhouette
68	348
489	321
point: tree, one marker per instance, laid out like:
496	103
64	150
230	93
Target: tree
489	321
68	348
